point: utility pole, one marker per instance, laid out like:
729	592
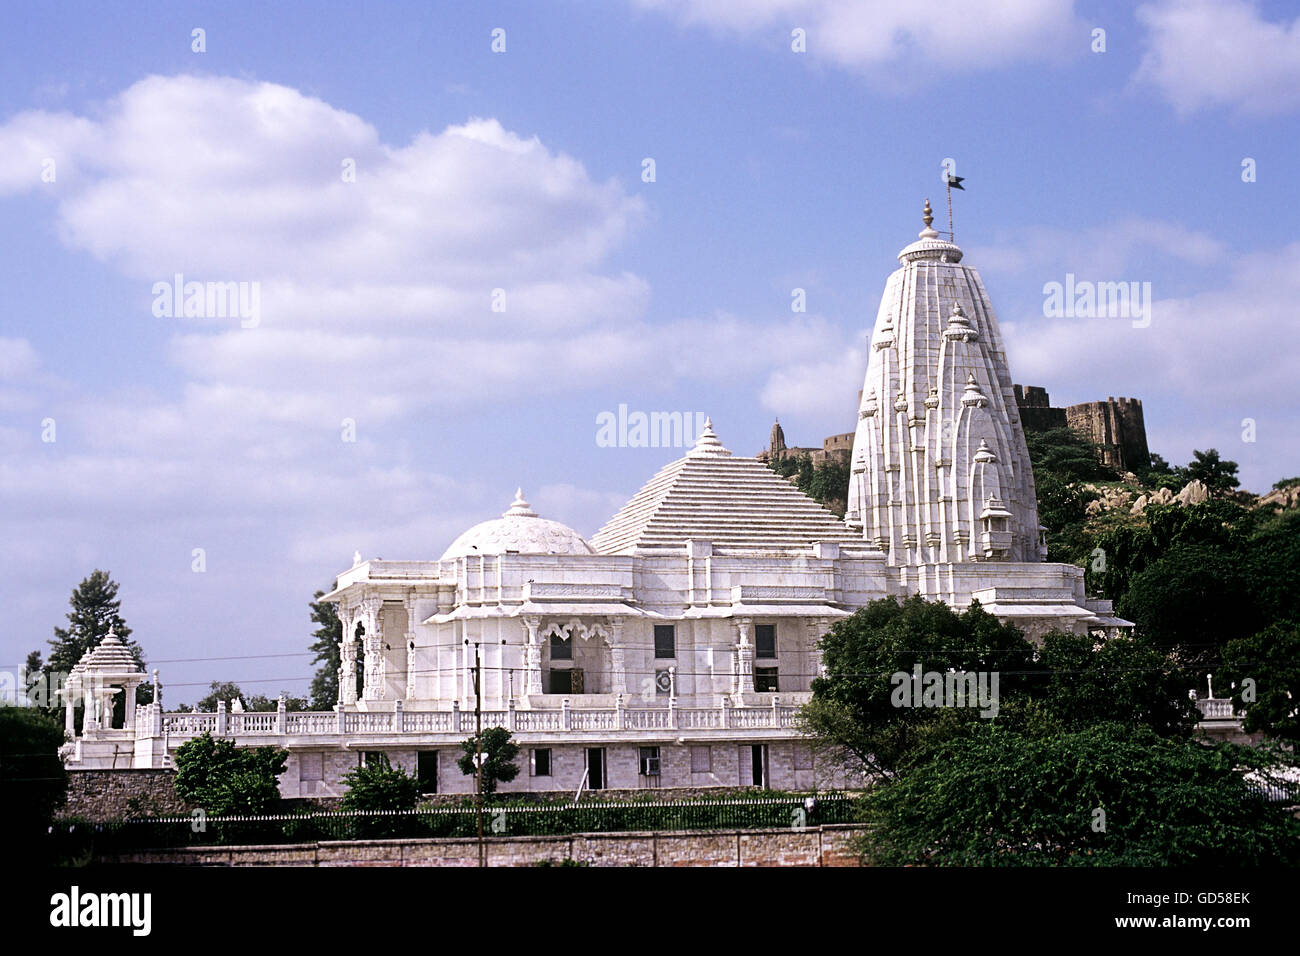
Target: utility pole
478	754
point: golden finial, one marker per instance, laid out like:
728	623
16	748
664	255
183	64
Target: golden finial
929	216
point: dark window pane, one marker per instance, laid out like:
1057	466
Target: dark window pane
426	770
765	640
665	641
561	682
561	650
542	762
765	680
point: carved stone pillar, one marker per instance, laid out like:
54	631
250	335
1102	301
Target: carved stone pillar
744	658
410	646
617	656
533	657
348	659
69	708
373	646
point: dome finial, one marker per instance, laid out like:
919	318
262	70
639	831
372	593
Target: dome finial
928	216
520	507
708	445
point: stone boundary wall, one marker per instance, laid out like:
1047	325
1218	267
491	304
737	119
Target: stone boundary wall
102	795
815	846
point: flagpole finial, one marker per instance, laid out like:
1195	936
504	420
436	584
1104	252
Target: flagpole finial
928	217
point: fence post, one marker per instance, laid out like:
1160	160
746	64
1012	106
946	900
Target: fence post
281	716
342	723
620	713
399	725
510	714
221	718
566	717
156	718
726	711
455	716
776	711
672	713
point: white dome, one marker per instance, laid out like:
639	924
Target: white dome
519	530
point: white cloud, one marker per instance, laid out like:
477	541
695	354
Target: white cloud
1207	53
922	40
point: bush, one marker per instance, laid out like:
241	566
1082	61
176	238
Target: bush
1105	796
33	783
223	779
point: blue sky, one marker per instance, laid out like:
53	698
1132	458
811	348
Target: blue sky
522	170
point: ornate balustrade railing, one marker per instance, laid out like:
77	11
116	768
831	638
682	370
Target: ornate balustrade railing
459	720
1216	708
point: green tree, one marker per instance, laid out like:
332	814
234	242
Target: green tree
1067	455
1271	557
853	712
1125	680
499	753
96	609
1108	795
380	786
1192	601
221	779
260	703
1218	475
218	690
33	783
325	645
1270	660
1130	548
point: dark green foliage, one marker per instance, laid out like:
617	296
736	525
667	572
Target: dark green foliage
1066	455
1130	548
1285	483
218	690
380	786
325	646
995	797
826	482
1218	475
220	778
1126	680
1192	601
95	609
499	753
1270	660
33	782
852	710
1272	560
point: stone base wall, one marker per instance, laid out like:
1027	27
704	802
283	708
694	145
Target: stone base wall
814	846
791	765
113	794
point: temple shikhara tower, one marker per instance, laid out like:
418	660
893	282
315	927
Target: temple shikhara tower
676	645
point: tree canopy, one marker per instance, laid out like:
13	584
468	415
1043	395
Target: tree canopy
499	753
325	646
1106	795
216	776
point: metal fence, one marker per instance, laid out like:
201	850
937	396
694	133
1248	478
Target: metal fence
457	821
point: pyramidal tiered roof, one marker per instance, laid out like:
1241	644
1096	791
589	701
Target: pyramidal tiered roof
710	495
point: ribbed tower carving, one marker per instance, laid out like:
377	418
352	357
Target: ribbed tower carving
940	470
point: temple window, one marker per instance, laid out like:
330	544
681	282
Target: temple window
542	762
561	648
765	640
665	641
